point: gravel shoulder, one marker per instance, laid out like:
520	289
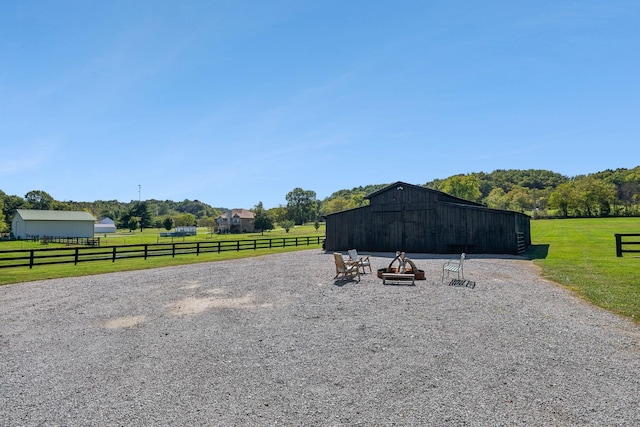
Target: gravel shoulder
274	340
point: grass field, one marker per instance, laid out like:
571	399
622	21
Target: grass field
149	236
152	235
581	255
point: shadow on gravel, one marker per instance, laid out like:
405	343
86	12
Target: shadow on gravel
341	282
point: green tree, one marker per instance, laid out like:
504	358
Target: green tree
261	219
301	205
519	199
593	197
3	225
132	223
497	199
278	214
463	186
184	220
196	208
287	224
629	196
540	200
341	203
40	200
141	211
562	198
11	204
168	223
347	199
209	222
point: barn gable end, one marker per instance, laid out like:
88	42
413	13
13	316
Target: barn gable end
416	219
401	193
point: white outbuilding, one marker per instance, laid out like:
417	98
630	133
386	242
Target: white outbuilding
27	223
105	225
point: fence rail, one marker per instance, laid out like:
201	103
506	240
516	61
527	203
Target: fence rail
35	257
620	243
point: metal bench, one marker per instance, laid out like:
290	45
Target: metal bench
398	277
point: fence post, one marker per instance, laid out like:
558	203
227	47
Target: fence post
173	250
238	245
31	259
75	257
145	252
219	246
113	257
255	244
618	245
197	248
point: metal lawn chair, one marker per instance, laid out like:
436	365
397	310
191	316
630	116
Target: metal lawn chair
362	261
454	266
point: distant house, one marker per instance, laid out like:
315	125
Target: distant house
27	223
235	221
105	225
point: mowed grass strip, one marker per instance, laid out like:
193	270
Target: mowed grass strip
581	255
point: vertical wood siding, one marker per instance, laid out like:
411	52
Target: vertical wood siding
420	220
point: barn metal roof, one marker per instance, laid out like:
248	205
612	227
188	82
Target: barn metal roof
46	215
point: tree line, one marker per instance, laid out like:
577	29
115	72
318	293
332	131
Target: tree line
302	207
541	193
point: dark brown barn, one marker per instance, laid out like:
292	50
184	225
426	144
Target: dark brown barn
410	218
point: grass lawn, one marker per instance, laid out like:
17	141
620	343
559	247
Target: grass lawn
581	254
149	236
152	235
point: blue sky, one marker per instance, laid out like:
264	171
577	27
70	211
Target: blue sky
238	102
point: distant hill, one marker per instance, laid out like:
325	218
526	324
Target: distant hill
535	191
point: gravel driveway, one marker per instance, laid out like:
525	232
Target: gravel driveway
275	341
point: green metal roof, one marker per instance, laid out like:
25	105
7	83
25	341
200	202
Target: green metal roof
40	215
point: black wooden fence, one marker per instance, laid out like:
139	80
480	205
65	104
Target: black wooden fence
48	256
621	245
